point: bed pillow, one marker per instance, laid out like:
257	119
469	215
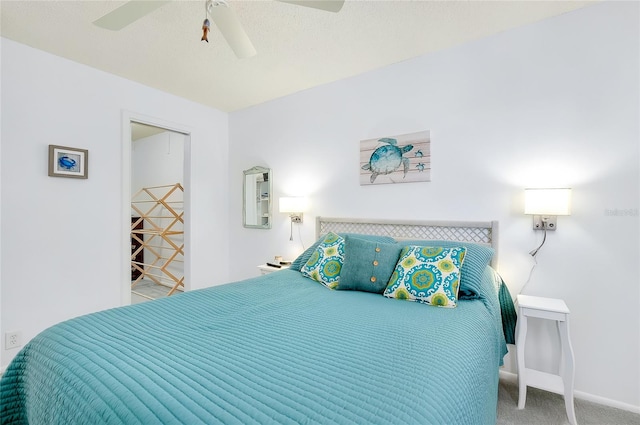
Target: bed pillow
476	259
325	262
427	274
367	264
304	257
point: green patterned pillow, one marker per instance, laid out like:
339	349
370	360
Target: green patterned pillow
325	262
475	261
427	274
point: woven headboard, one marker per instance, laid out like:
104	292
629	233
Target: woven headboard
480	232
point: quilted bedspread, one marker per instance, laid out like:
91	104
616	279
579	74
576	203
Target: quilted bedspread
279	349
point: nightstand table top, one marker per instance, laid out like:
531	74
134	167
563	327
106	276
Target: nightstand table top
540	303
265	268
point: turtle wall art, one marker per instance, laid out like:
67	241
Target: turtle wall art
396	159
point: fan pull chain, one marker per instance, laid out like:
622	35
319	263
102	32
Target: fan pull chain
206	25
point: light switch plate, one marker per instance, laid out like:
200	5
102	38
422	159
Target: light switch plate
550	220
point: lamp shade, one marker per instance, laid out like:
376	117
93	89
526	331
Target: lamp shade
295	204
547	201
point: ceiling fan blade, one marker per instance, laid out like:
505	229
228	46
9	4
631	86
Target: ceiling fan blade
231	28
328	5
128	14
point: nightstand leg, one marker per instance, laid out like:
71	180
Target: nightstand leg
521	336
567	371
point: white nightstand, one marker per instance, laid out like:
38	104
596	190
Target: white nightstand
266	269
550	309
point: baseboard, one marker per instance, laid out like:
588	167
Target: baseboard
508	376
513	377
607	402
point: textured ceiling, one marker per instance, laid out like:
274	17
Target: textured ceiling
298	47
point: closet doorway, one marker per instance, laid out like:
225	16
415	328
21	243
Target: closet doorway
157	210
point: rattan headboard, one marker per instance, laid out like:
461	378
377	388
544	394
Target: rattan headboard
480	232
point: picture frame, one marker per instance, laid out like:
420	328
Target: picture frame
404	158
68	162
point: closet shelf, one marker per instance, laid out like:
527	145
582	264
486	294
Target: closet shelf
157	230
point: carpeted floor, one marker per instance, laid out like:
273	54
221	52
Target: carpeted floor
545	408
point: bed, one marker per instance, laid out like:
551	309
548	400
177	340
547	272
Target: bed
280	349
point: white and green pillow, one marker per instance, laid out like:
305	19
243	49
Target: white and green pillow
325	263
475	261
429	275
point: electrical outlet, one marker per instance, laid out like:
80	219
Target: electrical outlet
12	340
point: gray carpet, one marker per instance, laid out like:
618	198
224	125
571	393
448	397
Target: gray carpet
544	408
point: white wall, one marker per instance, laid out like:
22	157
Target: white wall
61	243
157	160
1	321
553	104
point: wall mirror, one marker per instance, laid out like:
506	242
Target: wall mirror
256	210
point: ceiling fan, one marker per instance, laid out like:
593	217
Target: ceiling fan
222	15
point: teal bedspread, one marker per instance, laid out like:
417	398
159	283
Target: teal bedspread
279	349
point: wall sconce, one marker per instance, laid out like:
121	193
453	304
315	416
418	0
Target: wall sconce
294	206
545	205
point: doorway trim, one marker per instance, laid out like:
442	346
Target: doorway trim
127	118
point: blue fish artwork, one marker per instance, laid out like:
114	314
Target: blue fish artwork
66	162
387	159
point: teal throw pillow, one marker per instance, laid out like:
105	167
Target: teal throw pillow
430	275
367	264
325	262
304	257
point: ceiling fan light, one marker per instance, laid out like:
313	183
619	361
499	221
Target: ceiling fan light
210	4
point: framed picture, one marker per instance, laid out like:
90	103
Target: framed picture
404	158
68	162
